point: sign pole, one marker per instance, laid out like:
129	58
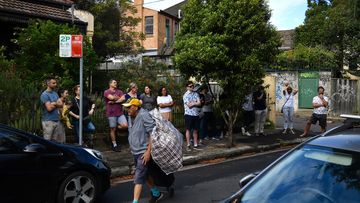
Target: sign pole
81	103
70	46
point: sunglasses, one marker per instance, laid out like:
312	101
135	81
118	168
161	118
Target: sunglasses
191	86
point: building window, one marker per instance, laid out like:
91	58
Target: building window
149	25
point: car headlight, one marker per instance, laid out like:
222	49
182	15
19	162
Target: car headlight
95	153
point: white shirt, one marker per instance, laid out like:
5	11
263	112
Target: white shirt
321	109
289	99
163	100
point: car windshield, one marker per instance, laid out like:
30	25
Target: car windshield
309	174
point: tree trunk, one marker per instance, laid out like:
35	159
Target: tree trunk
231	138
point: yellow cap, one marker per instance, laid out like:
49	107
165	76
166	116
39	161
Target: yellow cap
132	102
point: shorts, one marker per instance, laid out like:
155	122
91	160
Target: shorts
53	130
318	117
114	121
192	122
141	170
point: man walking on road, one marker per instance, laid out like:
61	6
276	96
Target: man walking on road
320	104
140	126
114	112
51	124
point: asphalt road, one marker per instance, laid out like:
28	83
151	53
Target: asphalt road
201	183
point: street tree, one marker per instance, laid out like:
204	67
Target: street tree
114	32
334	25
38	54
228	41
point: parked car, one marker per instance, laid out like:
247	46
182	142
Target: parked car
325	169
33	169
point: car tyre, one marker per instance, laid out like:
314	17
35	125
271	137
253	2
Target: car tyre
78	187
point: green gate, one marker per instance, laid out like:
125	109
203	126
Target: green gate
308	84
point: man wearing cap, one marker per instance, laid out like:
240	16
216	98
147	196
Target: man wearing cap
140	125
191	103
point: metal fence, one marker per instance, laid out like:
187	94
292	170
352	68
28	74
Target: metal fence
344	98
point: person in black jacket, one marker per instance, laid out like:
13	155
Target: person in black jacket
88	110
260	110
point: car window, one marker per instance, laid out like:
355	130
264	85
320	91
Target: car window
12	142
309	174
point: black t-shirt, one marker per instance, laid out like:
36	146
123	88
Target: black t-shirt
76	105
259	104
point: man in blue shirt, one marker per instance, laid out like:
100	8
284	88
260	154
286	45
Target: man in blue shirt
140	125
52	127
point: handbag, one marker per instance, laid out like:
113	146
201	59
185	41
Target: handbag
282	108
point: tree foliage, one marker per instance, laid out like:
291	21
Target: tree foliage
38	54
307	58
114	32
229	41
334	25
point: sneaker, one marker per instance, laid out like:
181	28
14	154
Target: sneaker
284	131
188	148
116	148
292	131
206	138
243	131
196	147
154	199
247	134
215	138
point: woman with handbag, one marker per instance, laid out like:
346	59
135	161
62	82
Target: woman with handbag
288	109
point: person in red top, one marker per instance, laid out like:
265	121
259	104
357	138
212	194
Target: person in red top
113	99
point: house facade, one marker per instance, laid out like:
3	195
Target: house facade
159	25
17	13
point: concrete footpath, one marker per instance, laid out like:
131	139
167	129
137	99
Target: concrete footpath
122	163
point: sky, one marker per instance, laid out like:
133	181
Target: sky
285	14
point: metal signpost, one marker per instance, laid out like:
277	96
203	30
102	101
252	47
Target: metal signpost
71	46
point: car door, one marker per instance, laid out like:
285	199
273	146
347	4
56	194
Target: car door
26	175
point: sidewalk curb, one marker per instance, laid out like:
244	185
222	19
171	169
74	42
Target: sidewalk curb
226	153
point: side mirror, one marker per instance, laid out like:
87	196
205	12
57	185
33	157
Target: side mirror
34	148
245	180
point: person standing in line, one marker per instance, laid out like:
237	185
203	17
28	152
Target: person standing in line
133	92
88	110
165	103
141	125
260	110
191	103
148	99
288	109
114	112
320	104
51	124
208	120
248	114
64	110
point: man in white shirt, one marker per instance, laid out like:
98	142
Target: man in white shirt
320	104
191	106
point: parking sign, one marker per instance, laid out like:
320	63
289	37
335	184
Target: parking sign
65	45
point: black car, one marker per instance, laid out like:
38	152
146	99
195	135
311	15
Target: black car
324	169
33	169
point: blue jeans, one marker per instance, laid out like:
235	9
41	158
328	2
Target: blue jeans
89	128
288	113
